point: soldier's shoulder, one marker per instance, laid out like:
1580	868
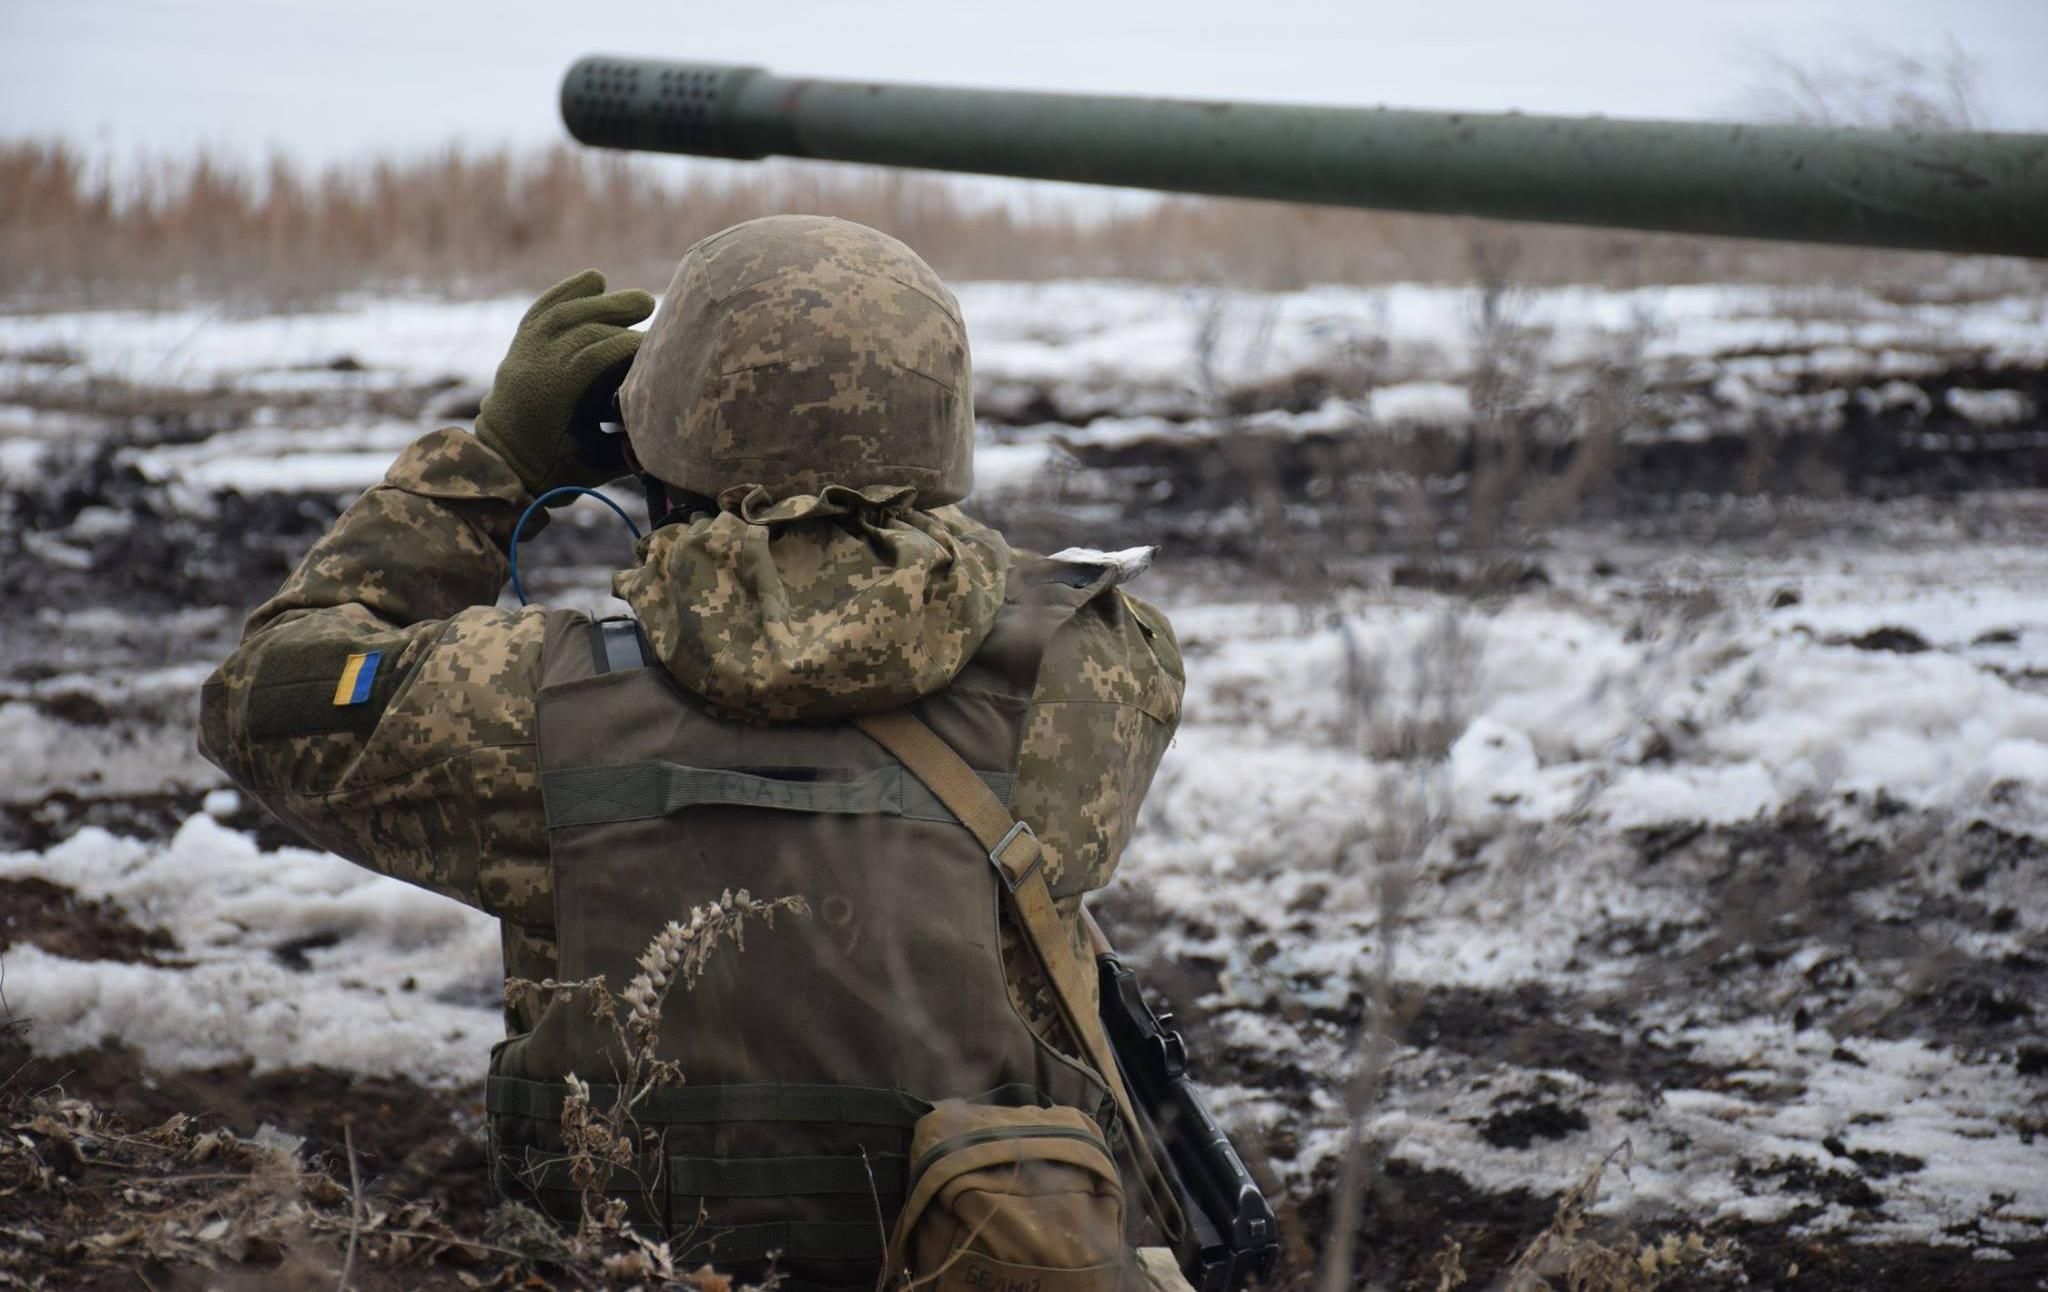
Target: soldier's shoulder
1118	648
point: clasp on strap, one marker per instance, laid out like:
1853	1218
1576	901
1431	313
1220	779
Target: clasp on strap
995	855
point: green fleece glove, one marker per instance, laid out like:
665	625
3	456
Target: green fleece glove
573	335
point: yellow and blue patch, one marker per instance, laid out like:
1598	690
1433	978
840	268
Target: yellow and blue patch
356	676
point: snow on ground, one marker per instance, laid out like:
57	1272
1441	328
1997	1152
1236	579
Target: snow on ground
1974	1171
48	750
287	957
1551	694
1132	361
1690	839
377	340
1127	352
1257	851
339	459
1103	335
1574	718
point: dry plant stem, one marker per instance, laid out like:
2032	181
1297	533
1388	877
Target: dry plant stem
875	1195
272	1208
1560	1250
1450	1266
1404	825
1362	1092
75	225
355	1213
603	1143
474	1244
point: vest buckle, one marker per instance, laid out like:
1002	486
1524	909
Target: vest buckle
995	855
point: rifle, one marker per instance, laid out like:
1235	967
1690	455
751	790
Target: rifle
1232	1238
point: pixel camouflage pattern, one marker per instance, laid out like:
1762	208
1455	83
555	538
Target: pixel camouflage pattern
799	351
797	606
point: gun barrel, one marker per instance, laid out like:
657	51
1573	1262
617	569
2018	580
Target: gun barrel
1956	191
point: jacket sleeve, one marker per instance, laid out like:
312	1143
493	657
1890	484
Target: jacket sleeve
383	705
1106	707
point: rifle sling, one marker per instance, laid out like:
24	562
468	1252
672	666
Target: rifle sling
1018	858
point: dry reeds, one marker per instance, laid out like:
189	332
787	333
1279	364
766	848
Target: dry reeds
77	229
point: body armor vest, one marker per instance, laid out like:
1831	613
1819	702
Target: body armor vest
808	1055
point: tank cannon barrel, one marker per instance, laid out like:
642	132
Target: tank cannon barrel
1957	191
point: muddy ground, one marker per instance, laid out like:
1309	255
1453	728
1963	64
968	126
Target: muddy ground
165	589
422	1146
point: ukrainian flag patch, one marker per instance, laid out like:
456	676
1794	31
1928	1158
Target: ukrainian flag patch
356	676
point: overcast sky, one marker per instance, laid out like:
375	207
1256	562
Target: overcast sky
339	79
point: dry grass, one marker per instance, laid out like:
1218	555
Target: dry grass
78	228
96	1201
1566	1258
92	1198
604	1141
205	1203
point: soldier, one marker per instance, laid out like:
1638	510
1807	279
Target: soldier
829	671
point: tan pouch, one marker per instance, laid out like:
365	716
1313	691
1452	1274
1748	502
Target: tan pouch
1010	1200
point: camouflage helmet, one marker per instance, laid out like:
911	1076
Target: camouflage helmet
798	351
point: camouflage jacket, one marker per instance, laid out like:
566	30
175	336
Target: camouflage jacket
383	705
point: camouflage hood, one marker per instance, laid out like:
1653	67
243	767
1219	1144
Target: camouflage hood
817	606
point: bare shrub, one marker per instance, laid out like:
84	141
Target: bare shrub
1872	85
1233	333
1609	401
1508	360
1415	713
604	1141
1410	811
1408	817
1545	439
1565	1255
88	1191
1878	86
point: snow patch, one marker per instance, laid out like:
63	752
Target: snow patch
394	979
